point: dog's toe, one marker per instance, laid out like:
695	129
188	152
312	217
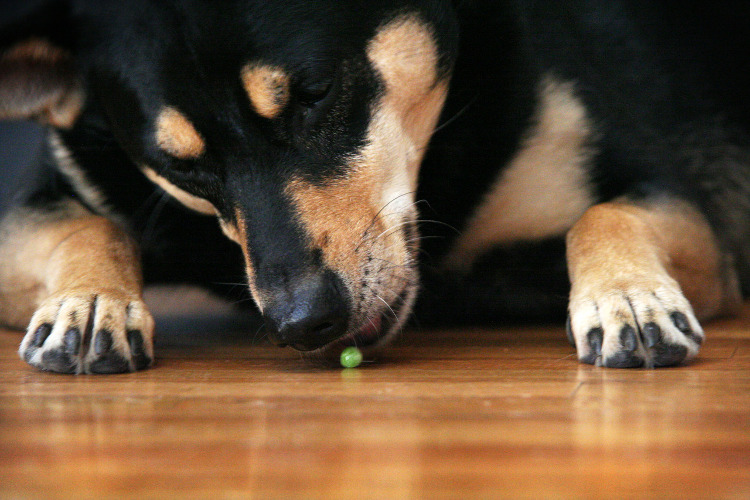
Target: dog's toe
35	340
628	354
141	358
664	353
594	340
106	357
89	333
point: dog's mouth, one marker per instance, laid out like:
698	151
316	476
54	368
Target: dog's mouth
376	331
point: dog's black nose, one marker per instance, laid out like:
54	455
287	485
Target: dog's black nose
308	314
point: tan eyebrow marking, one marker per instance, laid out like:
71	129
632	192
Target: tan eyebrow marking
268	88
177	136
237	232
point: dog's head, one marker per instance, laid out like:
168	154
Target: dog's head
300	124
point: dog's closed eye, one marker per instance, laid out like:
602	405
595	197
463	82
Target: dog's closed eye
310	94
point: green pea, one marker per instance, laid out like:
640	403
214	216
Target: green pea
351	357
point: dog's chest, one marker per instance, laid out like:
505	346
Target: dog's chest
545	187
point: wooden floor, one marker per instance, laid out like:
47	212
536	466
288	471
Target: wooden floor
479	413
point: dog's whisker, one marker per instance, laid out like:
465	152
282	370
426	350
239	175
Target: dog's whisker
386	261
262	337
379	213
439	223
456	116
395	316
150	226
243	300
391	229
410	243
396	227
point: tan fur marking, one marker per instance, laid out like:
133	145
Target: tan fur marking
629	246
88	191
238	233
404	53
230	231
268	88
44	253
339	214
38	80
362	214
177	136
361	240
544	190
191	201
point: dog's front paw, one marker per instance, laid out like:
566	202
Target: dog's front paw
644	323
89	332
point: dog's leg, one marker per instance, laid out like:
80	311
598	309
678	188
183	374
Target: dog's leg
75	278
642	274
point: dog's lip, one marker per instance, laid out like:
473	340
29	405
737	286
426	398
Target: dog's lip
368	335
373	331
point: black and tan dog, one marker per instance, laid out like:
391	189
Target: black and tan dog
598	143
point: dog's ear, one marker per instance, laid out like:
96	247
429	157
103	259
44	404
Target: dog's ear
38	76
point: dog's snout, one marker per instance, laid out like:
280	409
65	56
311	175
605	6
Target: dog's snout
309	314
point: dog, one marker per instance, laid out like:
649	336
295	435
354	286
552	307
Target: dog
338	159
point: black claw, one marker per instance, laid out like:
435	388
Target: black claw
108	361
142	362
72	342
698	339
595	339
29	353
41	334
681	322
103	342
140	358
669	354
624	359
57	360
589	359
569	332
651	335
628	338
135	340
112	362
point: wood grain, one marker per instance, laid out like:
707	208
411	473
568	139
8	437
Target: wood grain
506	412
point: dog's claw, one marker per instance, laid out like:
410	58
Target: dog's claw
594	339
628	339
651	335
41	334
136	343
72	342
627	356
